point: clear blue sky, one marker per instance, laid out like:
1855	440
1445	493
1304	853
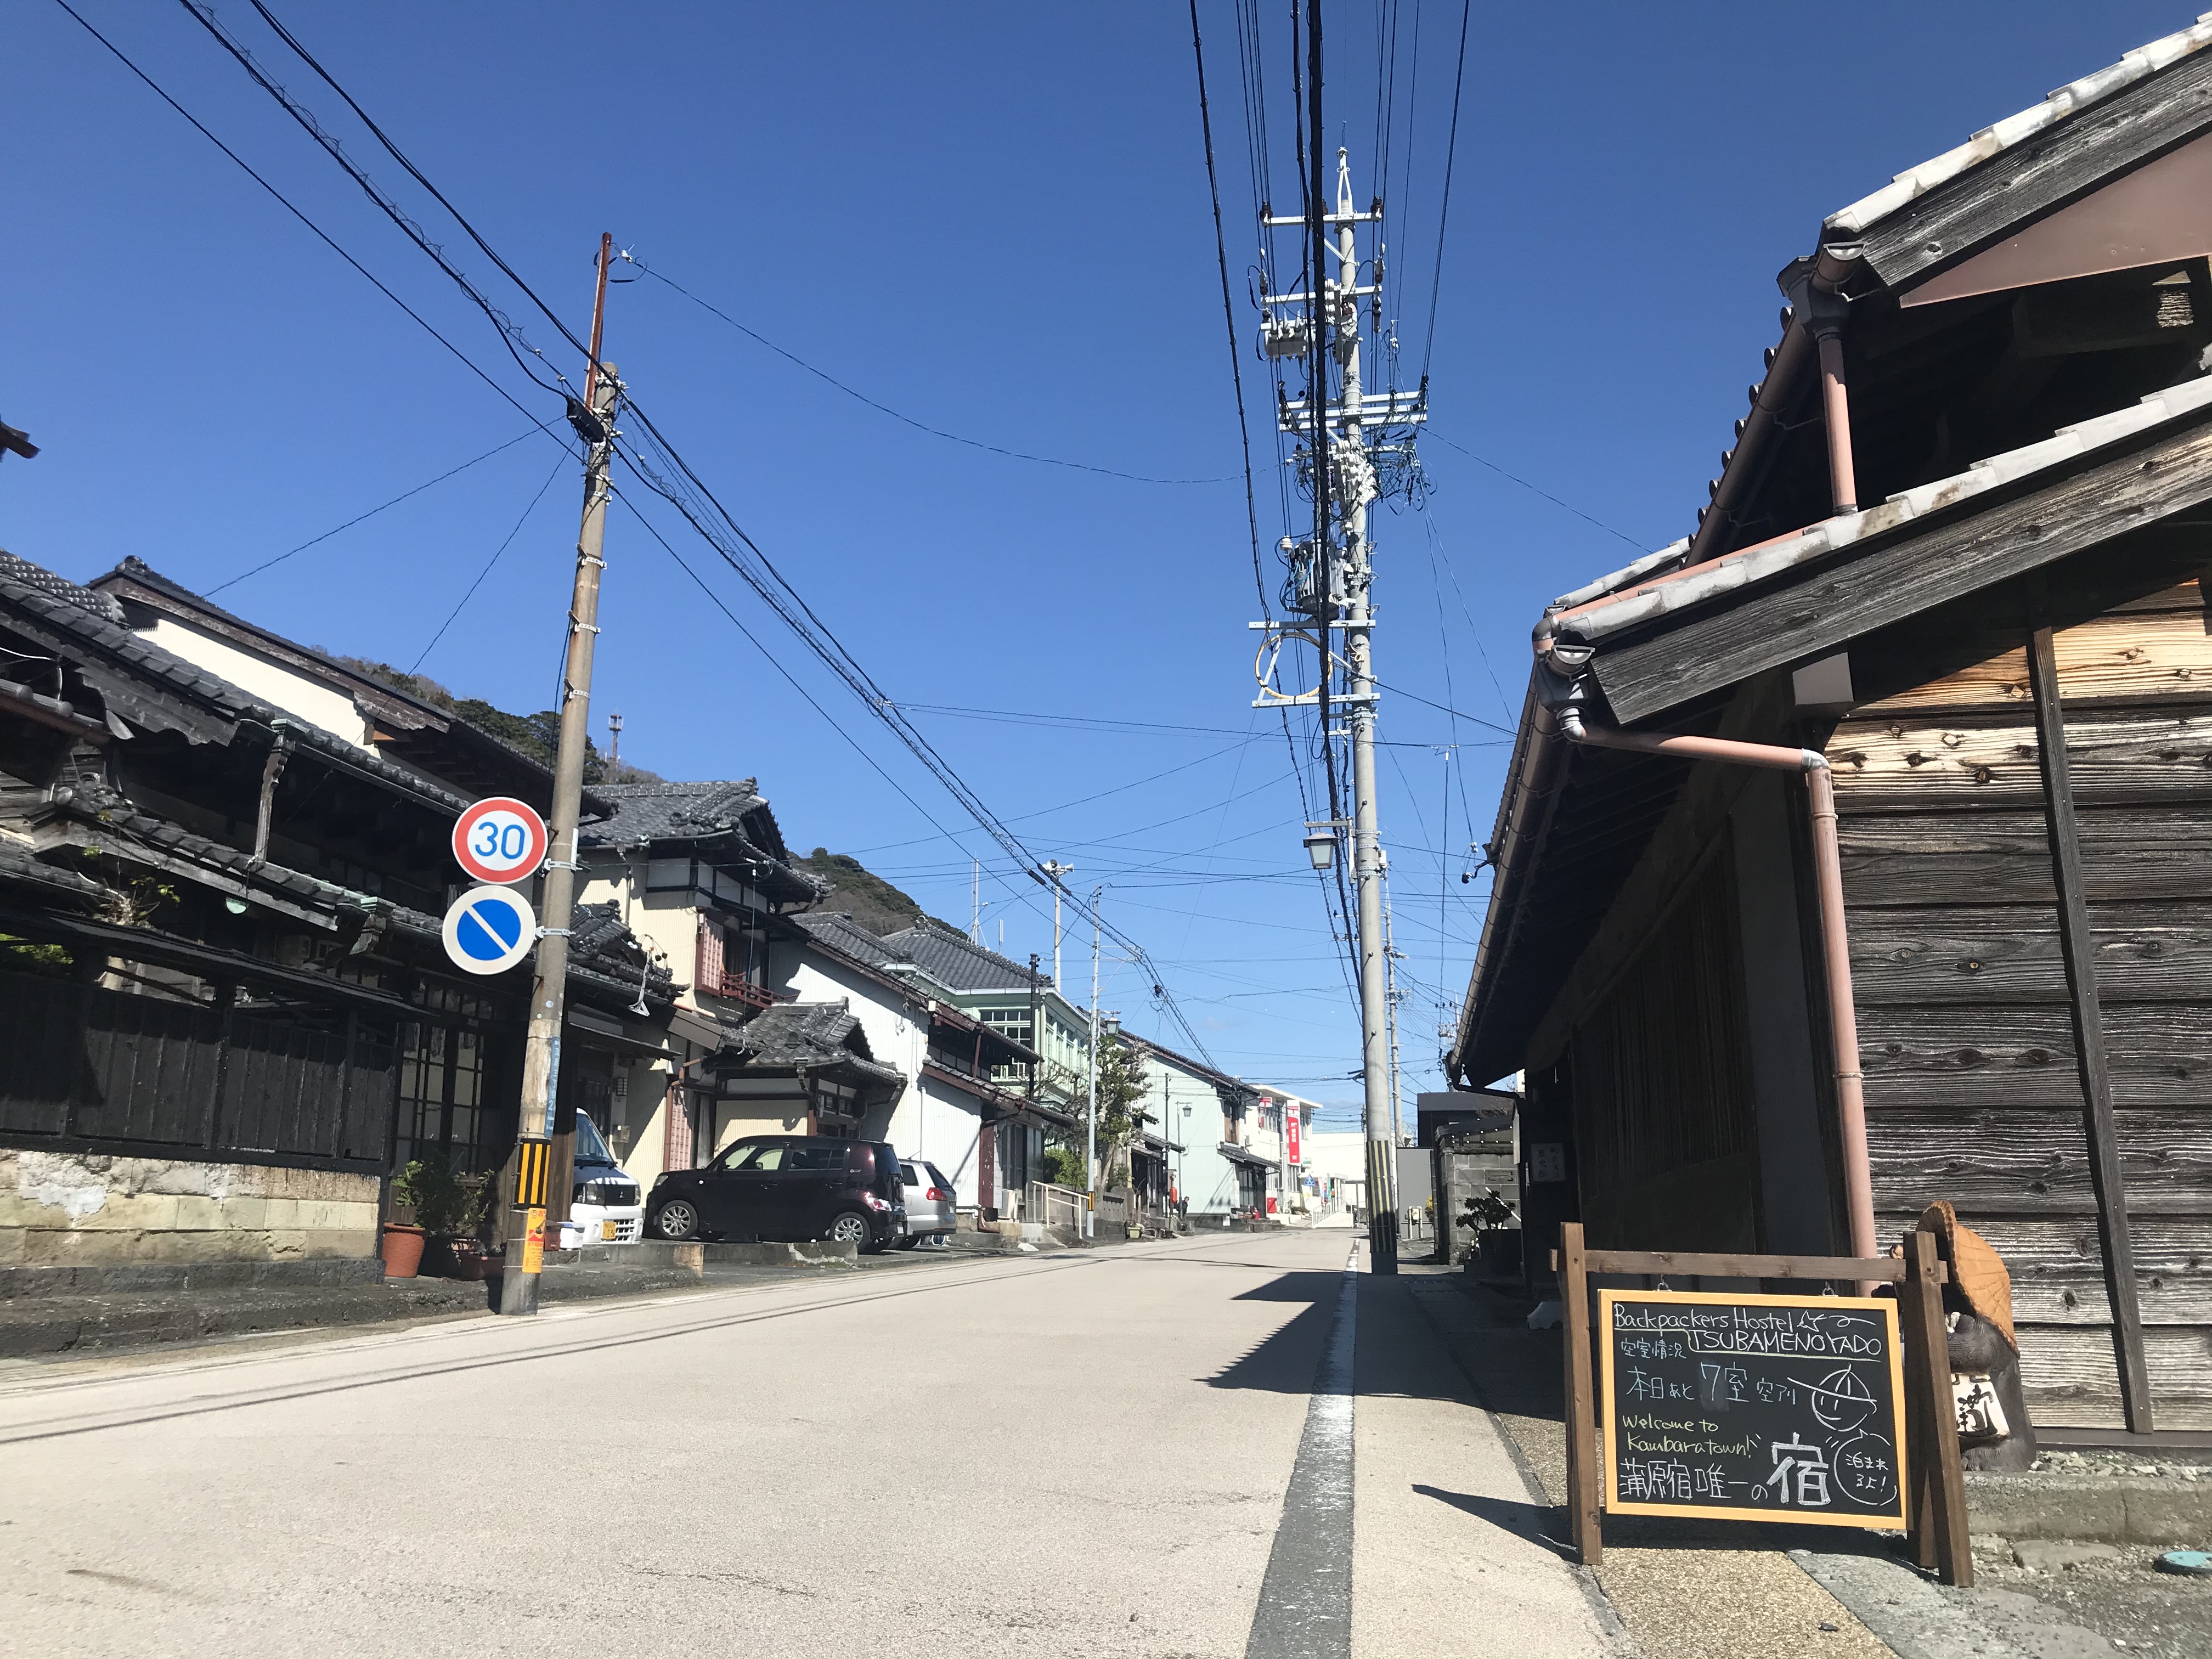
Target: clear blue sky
995	218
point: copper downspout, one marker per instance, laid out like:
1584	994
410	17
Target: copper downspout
1815	290
1843	1014
1836	405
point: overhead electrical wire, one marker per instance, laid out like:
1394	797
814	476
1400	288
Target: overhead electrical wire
897	415
498	553
1515	478
362	518
767	581
1443	215
285	202
1250	64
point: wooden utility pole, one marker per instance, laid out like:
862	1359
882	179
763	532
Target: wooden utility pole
533	1176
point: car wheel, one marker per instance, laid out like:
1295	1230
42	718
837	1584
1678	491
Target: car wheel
677	1220
908	1241
851	1227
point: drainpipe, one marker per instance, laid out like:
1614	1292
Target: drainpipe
1843	1015
1816	295
271	769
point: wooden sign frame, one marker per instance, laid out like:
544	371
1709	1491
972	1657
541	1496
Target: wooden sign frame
1611	1463
1931	1475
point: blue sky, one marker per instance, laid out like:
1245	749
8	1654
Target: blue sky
992	217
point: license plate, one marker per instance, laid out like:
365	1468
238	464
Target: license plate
610	1230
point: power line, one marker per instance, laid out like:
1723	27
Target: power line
268	564
905	419
1443	214
1515	478
285	202
496	555
1229	311
767	581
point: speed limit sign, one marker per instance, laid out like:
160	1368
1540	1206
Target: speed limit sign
499	840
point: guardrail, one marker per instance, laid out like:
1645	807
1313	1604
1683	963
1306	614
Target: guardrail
1054	1205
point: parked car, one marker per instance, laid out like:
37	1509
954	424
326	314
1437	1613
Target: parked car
930	1215
787	1187
605	1203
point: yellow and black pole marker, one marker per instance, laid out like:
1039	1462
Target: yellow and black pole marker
594	420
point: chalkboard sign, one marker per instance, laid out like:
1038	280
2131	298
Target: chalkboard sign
1753	1407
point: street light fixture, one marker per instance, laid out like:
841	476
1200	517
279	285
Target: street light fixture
1321	845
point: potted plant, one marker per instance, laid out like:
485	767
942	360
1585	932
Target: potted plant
450	1207
403	1237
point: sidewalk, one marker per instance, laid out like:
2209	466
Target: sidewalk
1723	1590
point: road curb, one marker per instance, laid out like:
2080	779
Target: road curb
2109	1509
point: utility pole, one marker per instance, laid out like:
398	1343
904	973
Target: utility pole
614	741
1357	474
1347	433
1055	869
975	923
1090	1133
531	1175
1036	1025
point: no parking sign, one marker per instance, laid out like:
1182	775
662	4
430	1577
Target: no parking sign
489	929
500	840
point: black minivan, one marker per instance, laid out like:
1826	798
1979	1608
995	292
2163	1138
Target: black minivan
786	1186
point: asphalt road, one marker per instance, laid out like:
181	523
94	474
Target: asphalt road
1086	1453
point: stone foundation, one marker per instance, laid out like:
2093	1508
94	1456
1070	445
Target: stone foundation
77	1209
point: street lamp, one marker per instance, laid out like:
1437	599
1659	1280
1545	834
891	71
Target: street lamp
1321	845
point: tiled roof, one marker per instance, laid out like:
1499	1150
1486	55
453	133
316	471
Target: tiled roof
61	587
676	812
2068	101
122	667
387	704
837	930
958	963
1699	583
816	1034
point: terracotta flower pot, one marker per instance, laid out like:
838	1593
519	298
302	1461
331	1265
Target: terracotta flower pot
402	1250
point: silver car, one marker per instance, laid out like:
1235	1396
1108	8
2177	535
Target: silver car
931	1214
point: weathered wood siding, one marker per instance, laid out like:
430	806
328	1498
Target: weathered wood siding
1974	1087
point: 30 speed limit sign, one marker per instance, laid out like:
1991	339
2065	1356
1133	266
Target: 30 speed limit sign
499	840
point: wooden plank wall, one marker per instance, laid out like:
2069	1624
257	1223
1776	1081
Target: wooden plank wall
1974	1088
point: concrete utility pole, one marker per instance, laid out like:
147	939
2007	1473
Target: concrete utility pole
1055	869
1331	577
1356	473
1090	1133
532	1173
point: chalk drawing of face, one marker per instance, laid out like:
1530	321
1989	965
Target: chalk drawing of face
1842	1399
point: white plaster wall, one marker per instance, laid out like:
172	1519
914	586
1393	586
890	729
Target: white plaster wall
264	678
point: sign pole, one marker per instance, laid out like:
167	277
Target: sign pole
528	1181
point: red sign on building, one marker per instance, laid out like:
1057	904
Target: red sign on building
1290	1128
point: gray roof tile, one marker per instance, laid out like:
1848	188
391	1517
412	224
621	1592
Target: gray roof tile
958	963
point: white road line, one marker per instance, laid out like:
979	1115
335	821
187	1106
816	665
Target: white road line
1305	1598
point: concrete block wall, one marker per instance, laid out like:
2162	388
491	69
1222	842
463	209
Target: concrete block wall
74	1209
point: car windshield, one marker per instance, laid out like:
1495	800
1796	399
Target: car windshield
590	1148
937	1177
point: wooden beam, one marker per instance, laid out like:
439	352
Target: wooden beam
2080	948
1814	608
1581	1401
1981	205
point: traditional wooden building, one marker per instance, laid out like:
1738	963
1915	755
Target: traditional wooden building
224	1010
1951	579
